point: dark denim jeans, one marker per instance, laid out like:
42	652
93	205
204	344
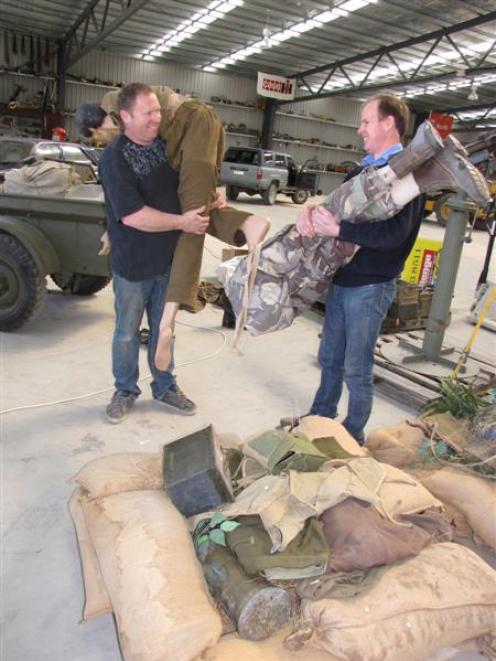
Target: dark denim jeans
131	301
353	320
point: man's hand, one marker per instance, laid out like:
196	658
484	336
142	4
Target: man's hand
105	241
193	222
219	201
324	222
304	223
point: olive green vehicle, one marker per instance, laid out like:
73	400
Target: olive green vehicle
41	236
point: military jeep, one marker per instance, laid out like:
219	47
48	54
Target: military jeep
42	236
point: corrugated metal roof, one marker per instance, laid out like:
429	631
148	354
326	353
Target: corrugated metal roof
366	27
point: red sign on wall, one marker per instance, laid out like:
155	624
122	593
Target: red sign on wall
443	123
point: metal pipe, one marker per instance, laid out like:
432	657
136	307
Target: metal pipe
439	315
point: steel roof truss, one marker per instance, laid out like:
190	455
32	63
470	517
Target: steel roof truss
77	42
395	63
426	56
486	54
437	37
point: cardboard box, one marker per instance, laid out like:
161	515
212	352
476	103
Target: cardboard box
422	263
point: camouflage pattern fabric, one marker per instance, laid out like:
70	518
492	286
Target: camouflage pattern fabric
294	271
363	198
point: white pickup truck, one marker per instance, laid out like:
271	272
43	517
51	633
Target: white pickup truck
255	170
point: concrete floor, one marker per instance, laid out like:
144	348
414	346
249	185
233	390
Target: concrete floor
55	384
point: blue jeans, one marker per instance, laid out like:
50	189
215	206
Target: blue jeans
353	320
130	302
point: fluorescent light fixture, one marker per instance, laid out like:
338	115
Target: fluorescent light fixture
203	17
325	17
226	6
198	15
291	31
192	29
207	19
302	27
353	5
209	69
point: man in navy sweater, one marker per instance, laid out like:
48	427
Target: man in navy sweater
363	290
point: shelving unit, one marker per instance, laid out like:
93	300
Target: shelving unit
27	122
302	148
315	145
316	119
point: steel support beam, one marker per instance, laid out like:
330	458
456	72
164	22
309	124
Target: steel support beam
61	77
94	21
438	37
268	124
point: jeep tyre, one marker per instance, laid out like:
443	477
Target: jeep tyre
269	195
232	193
22	286
300	196
79	284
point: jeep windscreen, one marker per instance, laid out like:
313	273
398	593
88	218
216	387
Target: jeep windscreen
245	156
14	152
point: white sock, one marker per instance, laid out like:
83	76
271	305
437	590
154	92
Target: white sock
404	190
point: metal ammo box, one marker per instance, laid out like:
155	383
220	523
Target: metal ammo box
194	475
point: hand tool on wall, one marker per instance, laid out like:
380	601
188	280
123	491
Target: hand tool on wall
6	52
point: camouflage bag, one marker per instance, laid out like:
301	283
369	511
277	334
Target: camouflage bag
292	272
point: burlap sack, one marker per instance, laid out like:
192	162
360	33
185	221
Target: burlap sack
96	599
400	494
232	648
316	426
397	445
155	583
473	496
43	178
115	473
445	595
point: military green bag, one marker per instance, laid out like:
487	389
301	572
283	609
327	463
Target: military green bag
280	451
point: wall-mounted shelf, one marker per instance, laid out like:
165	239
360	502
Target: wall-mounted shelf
316	119
229	105
242	135
317	146
101	85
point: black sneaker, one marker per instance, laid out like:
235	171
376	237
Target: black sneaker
177	400
119	406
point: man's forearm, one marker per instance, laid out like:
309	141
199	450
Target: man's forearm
148	219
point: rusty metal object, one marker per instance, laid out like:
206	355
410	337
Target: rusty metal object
258	608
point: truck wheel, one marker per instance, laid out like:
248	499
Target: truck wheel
300	196
79	284
232	193
22	287
269	195
441	209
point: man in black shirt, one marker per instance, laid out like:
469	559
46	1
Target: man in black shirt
363	290
144	223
